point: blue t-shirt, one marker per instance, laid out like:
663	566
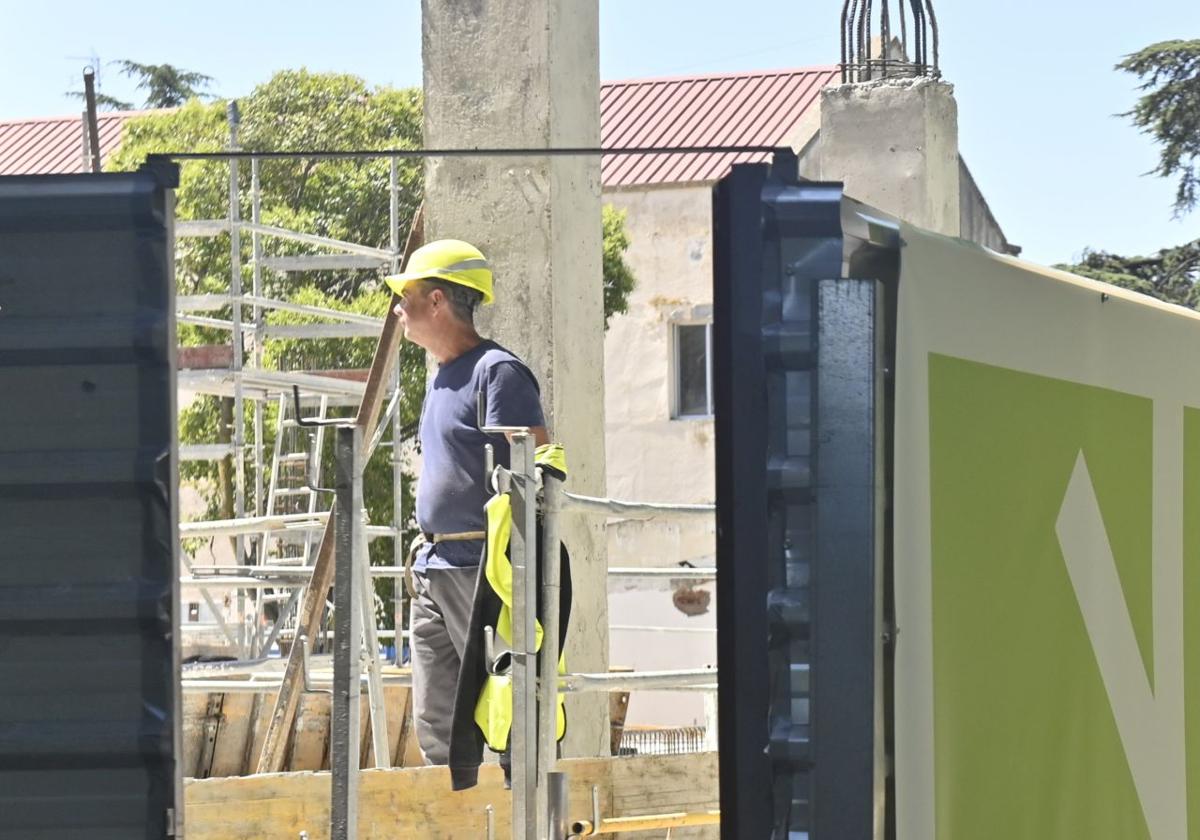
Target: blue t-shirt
451	491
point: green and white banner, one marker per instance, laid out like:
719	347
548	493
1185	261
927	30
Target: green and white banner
1047	551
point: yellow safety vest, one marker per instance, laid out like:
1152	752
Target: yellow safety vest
493	711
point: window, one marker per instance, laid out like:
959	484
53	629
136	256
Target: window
693	370
193	611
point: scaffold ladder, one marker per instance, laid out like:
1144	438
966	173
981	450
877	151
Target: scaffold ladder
295	475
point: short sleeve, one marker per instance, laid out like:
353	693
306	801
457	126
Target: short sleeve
512	397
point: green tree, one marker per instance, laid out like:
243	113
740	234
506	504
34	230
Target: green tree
618	277
1169	110
166	86
104	102
1170	275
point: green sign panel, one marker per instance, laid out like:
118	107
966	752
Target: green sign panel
1058	709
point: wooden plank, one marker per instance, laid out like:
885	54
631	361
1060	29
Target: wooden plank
282	716
210	727
310	738
262	720
418	802
195	707
253	730
365	741
405	751
229	751
397	700
641	788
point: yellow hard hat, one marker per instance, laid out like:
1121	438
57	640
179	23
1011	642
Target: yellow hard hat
451	260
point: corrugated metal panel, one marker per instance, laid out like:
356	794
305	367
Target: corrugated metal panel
89	692
54	145
740	109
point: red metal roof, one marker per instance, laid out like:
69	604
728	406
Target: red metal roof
759	108
54	145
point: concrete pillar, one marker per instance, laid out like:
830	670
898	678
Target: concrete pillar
894	142
525	74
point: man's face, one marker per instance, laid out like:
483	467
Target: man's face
416	311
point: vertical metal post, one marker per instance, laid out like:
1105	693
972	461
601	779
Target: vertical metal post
239	432
345	735
548	656
394	212
556	826
89	93
258	551
85	151
523	743
256	314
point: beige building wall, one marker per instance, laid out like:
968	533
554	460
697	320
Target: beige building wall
651	455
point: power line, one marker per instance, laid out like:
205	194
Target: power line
357	154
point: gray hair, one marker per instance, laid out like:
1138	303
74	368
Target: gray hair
462	299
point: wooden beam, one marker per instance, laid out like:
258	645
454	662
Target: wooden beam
418	802
274	749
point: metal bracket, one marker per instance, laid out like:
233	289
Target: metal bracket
304	654
481	420
495	654
309	423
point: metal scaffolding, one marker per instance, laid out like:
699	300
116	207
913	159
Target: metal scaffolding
270	520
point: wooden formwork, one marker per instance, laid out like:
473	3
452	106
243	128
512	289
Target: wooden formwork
417	802
223	732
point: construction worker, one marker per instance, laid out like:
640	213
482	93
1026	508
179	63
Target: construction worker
441	287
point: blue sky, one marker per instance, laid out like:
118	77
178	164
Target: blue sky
1036	90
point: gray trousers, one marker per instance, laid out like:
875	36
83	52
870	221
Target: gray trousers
438	621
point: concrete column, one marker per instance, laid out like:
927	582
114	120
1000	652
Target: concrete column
525	74
894	142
